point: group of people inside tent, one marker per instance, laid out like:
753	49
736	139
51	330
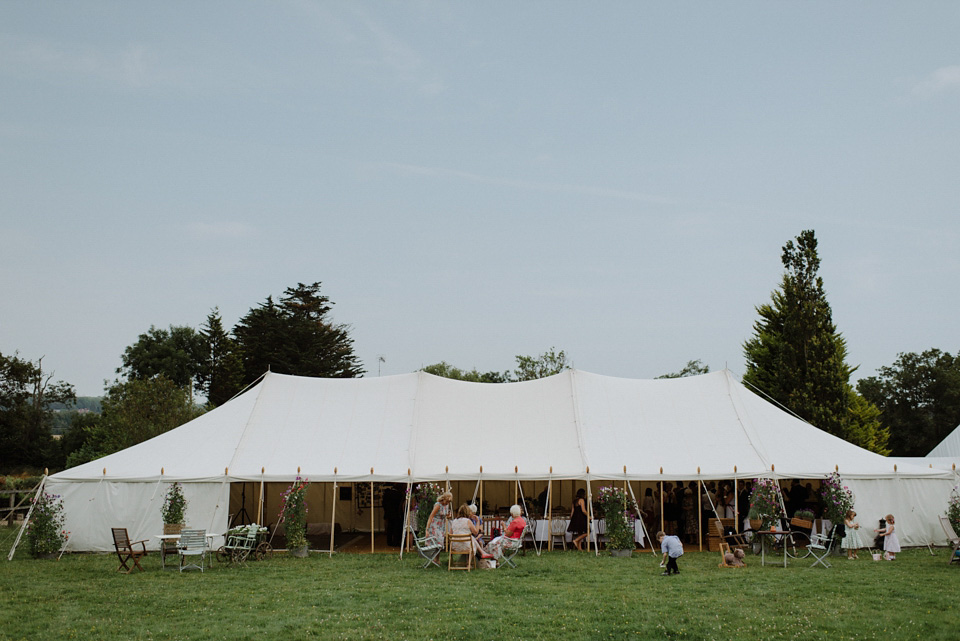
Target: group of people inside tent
466	522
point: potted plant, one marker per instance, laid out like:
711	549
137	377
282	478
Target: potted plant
765	503
174	510
294	515
45	531
837	501
802	519
619	528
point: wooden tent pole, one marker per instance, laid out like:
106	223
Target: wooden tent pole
333	510
371	513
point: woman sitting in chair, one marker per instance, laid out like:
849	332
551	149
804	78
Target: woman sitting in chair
511	534
463	524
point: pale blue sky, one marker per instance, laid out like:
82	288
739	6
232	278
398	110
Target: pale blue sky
472	181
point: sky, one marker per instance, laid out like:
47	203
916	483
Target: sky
471	181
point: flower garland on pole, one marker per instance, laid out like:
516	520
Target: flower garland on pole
765	503
425	495
618	514
294	513
837	498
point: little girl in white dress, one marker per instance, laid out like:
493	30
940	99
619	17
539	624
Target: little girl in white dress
891	544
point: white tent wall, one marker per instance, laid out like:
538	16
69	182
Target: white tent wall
916	505
92	508
570	427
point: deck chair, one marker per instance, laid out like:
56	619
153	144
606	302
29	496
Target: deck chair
461	546
510	550
127	550
952	539
724	551
820	547
733	540
193	543
558	530
428	549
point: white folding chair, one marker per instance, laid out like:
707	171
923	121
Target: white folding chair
428	549
193	543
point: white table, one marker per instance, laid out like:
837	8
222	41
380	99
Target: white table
599	528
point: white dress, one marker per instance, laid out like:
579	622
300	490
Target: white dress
851	540
890	541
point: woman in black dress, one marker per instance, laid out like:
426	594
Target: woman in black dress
578	519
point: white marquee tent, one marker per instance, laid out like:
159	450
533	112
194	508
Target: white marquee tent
419	427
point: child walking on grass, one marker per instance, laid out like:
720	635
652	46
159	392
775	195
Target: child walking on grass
672	549
891	544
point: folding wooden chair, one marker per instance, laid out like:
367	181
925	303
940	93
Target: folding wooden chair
126	551
461	545
733	540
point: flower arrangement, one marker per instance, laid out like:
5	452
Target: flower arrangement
174	510
618	513
765	503
953	508
293	511
45	531
837	498
425	495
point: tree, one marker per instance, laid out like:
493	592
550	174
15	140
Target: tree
919	399
134	411
449	371
528	368
796	356
546	364
26	396
692	368
295	336
221	374
178	353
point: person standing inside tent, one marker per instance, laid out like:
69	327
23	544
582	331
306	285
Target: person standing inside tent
578	519
437	521
393	500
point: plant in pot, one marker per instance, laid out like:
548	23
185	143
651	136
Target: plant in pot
618	519
802	519
174	510
45	532
765	503
294	515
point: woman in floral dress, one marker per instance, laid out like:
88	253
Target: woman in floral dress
436	523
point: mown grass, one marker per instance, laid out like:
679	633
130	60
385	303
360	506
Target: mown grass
557	596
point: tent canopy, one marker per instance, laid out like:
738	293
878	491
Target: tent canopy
573	425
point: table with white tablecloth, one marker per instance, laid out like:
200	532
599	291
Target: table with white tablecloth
599	528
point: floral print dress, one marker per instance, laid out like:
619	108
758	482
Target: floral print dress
436	528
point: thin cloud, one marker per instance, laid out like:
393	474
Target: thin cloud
587	190
941	80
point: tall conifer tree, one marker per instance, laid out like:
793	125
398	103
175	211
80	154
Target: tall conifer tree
797	357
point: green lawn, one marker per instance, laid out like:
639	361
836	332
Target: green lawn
558	596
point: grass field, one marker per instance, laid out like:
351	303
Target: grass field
558	596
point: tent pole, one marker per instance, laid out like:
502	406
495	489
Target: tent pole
596	544
333	510
371	515
736	502
699	513
549	509
29	512
260	508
